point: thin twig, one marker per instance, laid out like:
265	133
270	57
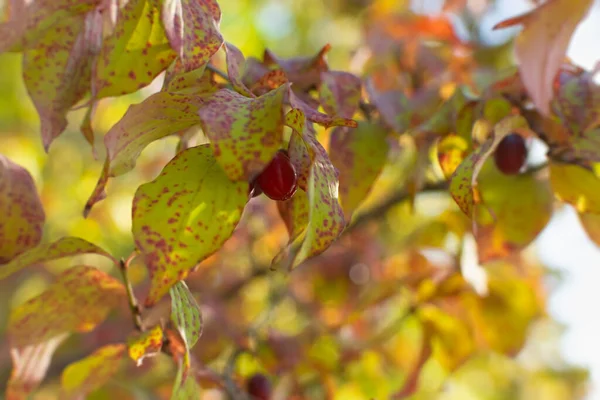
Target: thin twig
136	311
218	72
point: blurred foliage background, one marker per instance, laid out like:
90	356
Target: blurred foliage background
327	295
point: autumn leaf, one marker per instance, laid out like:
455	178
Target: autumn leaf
304	72
294	213
57	69
340	93
326	217
591	224
577	186
192	27
316	116
463	183
22	212
171	113
135	53
359	155
245	133
77	301
235	65
27	24
516	220
185	389
64	247
186	316
92	372
300	156
198	81
542	45
146	344
185	215
451	151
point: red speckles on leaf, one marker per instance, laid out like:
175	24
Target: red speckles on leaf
22	213
186	316
209	205
133	56
147	344
235	64
304	72
57	86
192	27
64	247
340	93
245	133
77	301
315	116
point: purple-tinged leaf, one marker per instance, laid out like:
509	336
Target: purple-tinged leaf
340	93
235	65
22	213
184	216
192	27
245	133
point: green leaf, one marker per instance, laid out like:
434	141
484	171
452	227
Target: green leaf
245	133
135	54
463	183
515	221
577	186
22	213
300	156
27	24
192	27
146	344
185	215
185	313
340	93
326	218
57	70
92	372
294	213
64	247
160	115
185	388
79	299
359	155
235	64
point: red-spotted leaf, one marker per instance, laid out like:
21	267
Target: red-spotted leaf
304	72
29	367
451	151
192	27
146	344
311	114
340	93
326	218
300	156
160	115
235	64
28	21
185	215
198	81
269	81
57	69
91	373
295	213
79	299
21	209
135	53
577	186
359	155
64	247
245	133
463	183
542	45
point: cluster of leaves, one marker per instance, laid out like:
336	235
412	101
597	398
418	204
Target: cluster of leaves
425	116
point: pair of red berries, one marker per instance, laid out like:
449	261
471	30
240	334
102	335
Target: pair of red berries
511	153
278	181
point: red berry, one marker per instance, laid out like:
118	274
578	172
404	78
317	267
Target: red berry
278	180
511	153
259	387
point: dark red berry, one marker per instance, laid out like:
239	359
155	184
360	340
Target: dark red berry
279	180
254	190
259	387
511	153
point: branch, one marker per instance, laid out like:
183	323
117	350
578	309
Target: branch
136	312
